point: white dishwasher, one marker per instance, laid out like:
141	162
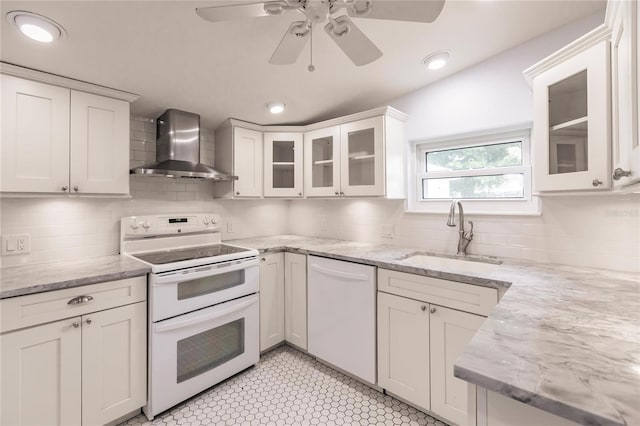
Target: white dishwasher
342	315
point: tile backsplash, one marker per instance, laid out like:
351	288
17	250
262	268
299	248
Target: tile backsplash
66	228
597	231
593	231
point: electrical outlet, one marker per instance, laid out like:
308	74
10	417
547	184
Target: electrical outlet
323	224
229	227
386	230
16	244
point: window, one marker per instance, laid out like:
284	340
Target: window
491	171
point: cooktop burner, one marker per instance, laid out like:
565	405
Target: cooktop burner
179	255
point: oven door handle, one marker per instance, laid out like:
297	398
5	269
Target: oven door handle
173	325
204	271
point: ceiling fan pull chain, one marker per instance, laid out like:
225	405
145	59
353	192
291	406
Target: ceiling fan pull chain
311	68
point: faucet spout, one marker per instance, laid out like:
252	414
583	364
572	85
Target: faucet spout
464	237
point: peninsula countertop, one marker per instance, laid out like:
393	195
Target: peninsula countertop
37	278
563	339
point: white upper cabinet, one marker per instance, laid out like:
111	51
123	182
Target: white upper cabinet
60	140
283	155
322	162
35	136
247	162
99	144
239	151
571	127
362	157
358	155
622	19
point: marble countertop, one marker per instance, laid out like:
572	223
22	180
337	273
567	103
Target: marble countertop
562	339
30	279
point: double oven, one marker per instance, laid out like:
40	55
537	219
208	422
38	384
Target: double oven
203	304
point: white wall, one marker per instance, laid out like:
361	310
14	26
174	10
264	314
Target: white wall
489	95
65	228
591	231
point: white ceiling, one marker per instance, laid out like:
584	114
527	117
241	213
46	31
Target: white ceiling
164	52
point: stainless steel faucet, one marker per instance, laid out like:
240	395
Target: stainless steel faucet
465	237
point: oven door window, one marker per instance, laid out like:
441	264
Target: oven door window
205	351
210	284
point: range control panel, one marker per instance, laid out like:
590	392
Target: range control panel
169	224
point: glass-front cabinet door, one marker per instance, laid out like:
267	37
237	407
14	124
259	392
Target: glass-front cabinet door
283	165
322	162
571	123
362	157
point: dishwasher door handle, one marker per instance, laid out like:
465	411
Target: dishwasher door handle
340	274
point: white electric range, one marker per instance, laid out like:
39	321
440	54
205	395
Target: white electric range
203	304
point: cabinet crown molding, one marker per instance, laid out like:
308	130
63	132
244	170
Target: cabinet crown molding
591	38
386	110
69	83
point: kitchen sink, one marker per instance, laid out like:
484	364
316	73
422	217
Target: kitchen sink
468	264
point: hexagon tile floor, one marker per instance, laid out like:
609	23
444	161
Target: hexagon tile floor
288	387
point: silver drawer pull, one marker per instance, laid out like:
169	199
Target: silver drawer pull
80	299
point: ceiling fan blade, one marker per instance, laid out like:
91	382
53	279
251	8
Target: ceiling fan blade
241	11
352	41
291	45
397	10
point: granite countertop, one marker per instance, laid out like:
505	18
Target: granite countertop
562	339
30	279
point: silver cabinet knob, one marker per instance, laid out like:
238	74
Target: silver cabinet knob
75	324
237	193
337	193
263	259
75	188
299	194
423	308
596	182
88	321
620	173
432	310
341	193
65	187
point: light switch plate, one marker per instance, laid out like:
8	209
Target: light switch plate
16	244
386	230
323	224
229	227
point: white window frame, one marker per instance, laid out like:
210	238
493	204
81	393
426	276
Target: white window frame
529	205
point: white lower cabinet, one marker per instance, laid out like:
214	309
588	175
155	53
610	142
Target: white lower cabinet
41	375
498	410
403	348
271	300
114	363
88	369
295	299
450	331
419	340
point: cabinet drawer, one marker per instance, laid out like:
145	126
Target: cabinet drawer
25	311
464	297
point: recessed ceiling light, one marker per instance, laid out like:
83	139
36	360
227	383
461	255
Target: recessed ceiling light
36	27
437	60
275	107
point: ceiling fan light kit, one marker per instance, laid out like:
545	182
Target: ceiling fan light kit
342	30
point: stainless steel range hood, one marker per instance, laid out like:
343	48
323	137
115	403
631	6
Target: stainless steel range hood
178	149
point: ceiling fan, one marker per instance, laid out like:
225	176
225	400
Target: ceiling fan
353	42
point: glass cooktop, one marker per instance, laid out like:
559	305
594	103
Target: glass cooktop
179	255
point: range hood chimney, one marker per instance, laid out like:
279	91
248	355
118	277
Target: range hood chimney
178	149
